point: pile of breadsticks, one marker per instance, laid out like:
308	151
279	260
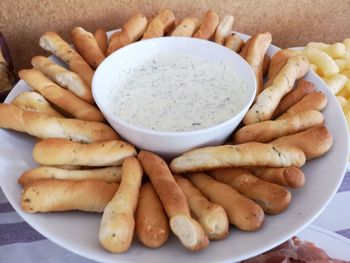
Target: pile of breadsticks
85	166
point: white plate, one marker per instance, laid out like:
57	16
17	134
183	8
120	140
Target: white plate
78	232
335	245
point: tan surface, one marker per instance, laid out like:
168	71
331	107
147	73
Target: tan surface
290	22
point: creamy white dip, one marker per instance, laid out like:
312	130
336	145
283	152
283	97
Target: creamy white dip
176	92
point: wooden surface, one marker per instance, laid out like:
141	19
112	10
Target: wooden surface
291	22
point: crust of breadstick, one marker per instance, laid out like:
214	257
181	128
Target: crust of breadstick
212	217
269	98
62	98
244	49
312	101
107	174
118	222
131	31
52	42
160	24
33	101
87	46
266	131
187	27
266	64
44	126
50	195
255	53
302	88
292	177
241	211
174	201
313	142
226	156
234	42
209	23
63	152
272	198
152	224
223	29
63	77
101	38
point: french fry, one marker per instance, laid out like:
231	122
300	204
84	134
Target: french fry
336	83
323	61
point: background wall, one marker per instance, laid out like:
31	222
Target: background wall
291	22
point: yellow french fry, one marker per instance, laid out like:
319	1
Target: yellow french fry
346	73
317	45
336	83
342	101
336	50
345	92
322	60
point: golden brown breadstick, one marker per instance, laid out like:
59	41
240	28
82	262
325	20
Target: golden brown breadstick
266	131
118	222
174	201
234	42
241	211
187	27
302	88
87	46
209	23
101	38
212	217
62	98
50	195
160	24
33	101
313	142
248	154
292	177
244	48
266	64
255	53
272	198
270	97
152	224
108	174
131	31
64	152
223	29
52	42
43	126
312	101
63	77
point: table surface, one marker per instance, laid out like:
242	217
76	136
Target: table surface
21	243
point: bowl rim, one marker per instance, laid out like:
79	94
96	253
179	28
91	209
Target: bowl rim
149	131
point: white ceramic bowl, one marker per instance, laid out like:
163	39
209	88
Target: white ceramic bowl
169	144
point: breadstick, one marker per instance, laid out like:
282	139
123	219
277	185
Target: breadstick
52	42
131	31
312	101
118	222
209	23
101	38
255	53
63	77
64	152
234	42
248	154
270	97
43	126
174	201
313	142
33	101
302	88
266	65
241	211
187	27
87	46
107	174
272	198
266	131
152	224
50	195
212	217
160	25
223	29
291	177
62	98
243	52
